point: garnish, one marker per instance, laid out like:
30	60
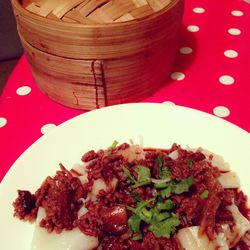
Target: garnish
161	185
143	176
154	216
167	205
166	227
136	196
163	171
114	144
190	163
134	226
128	174
183	185
167	191
177	187
157	212
204	194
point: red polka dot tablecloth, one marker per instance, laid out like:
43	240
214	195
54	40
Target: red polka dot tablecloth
212	74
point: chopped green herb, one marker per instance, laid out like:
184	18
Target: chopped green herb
145	214
161	185
143	173
166	227
143	177
128	174
142	204
134	223
167	205
177	187
161	216
136	196
159	198
183	185
114	144
142	211
160	222
190	163
167	191
163	171
159	162
204	194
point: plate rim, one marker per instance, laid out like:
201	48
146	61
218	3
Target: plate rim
85	116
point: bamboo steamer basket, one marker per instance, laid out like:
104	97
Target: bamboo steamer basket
88	54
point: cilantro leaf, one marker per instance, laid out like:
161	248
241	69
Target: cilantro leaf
167	205
161	216
167	191
145	214
163	172
190	163
177	187
166	227
143	177
143	173
136	196
183	185
128	174
204	194
161	185
114	144
134	223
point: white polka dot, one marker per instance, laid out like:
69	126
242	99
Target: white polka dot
234	31
237	13
230	53
3	122
24	90
193	28
226	80
169	103
186	50
221	111
47	128
178	76
198	10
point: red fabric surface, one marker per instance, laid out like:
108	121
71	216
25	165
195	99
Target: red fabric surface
23	114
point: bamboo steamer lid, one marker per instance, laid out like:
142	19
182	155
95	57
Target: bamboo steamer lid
88	54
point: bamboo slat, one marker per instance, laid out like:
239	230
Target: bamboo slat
88	54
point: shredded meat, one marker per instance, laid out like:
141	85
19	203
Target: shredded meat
25	206
107	216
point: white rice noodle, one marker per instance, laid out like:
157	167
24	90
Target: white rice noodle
99	185
242	225
66	240
134	152
217	160
81	172
83	210
189	239
174	155
229	180
80	168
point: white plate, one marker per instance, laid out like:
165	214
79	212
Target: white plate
159	125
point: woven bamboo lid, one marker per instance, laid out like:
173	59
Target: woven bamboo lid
94	11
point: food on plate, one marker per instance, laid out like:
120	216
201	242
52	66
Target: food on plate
130	197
